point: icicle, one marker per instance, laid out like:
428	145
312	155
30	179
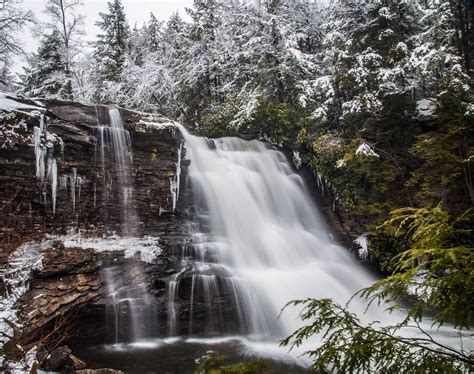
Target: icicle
40	149
175	182
54	183
73	179
173	192
79	185
63	182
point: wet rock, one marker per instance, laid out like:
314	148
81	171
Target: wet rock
12	350
58	260
51	302
76	363
99	371
57	359
41	354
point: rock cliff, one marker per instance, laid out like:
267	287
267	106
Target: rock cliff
59	176
85	188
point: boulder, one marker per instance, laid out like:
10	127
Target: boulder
57	359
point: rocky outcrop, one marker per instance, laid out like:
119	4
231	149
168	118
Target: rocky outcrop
68	280
83	192
57	174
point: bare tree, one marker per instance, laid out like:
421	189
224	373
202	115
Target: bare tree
12	19
66	20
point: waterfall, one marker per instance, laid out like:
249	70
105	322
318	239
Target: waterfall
264	243
113	135
129	305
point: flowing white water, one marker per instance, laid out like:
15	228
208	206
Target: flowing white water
114	136
129	304
268	244
265	235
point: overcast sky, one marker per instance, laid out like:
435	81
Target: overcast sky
138	11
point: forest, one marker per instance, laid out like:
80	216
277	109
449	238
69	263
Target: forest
374	97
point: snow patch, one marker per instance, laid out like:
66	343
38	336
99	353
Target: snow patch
469	110
158	125
147	247
426	107
366	150
297	160
341	163
363	243
8	103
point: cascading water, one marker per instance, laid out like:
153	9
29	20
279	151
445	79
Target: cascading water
112	134
256	243
265	242
130	306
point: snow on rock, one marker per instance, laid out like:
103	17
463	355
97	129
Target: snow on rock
25	365
14	134
8	102
147	247
266	138
363	244
158	125
366	150
15	277
426	108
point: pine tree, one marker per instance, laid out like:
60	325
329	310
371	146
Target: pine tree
153	31
111	46
6	76
46	74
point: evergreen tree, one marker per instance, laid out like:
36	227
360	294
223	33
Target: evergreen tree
6	76
111	46
153	31
46	74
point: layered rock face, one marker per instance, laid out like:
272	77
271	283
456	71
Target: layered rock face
59	175
65	176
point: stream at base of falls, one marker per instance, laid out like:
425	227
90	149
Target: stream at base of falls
181	355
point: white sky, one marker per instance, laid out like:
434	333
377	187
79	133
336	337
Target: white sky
137	11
